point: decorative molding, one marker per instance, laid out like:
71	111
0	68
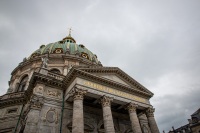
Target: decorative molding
13	99
53	93
80	72
36	102
51	113
131	107
78	94
106	101
39	90
150	112
116	70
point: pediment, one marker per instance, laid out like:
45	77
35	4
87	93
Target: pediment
113	77
116	76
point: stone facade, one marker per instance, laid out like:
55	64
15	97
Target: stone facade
63	88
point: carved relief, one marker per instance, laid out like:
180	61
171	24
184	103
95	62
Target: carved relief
39	90
51	116
105	101
78	94
131	107
54	93
36	102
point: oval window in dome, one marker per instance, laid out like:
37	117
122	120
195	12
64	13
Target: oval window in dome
33	55
58	50
84	55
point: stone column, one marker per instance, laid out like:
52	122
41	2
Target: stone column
77	120
107	115
151	120
134	119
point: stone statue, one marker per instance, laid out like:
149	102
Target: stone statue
45	62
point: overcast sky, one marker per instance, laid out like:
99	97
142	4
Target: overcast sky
155	42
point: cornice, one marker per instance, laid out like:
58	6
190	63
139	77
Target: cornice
13	99
37	77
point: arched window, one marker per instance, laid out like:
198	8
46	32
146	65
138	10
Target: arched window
55	71
22	83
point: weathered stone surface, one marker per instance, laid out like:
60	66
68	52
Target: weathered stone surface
32	122
151	120
107	115
133	117
77	120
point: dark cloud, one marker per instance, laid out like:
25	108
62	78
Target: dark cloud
155	42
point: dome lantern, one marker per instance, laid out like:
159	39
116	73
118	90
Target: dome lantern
69	38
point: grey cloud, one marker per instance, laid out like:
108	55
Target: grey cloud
176	109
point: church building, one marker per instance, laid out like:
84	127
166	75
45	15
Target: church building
63	88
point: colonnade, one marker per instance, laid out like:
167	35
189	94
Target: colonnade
78	118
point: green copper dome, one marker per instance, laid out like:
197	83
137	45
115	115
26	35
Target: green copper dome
66	46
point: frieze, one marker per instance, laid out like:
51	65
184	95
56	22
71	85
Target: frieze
114	91
54	93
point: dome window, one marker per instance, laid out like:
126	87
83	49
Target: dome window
33	55
61	42
22	83
82	46
58	50
84	55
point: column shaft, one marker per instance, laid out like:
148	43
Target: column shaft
153	125
77	120
151	120
107	115
134	119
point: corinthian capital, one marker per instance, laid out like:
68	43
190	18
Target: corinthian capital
78	94
105	101
150	111
131	107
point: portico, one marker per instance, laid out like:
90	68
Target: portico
110	99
